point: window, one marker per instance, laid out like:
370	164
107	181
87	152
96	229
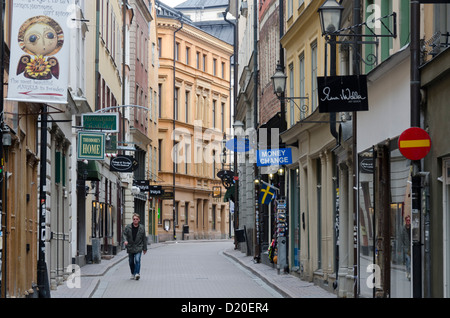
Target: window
153	54
290	6
302	82
204	63
176	160
187	159
159	154
187	55
214	114
222	116
177	94
198	60
292	93
186	107
159	100
223	70
159	46
314	75
186	213
213	164
214	67
150	105
175	222
177	51
213	217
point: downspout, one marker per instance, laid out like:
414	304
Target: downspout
282	100
173	136
416	260
2	179
97	37
235	56
255	120
356	70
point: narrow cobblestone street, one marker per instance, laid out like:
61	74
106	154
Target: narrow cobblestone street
189	269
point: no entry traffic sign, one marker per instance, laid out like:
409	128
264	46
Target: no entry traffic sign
414	143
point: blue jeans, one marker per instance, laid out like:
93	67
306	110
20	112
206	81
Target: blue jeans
135	262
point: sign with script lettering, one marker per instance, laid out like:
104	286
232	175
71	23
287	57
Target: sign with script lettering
342	93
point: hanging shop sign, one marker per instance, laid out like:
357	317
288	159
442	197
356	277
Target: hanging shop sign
123	164
40	47
143	185
91	146
241	145
104	122
155	191
414	143
342	93
227	178
274	157
366	164
217	192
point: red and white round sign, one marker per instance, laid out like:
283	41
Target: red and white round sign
414	143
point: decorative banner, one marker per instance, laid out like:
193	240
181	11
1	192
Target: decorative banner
39	64
342	93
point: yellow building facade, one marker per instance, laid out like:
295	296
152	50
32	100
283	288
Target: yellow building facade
194	101
312	245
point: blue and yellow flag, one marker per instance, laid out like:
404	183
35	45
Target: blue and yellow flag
267	194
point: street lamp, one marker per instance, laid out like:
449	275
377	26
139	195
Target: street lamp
279	89
279	81
330	16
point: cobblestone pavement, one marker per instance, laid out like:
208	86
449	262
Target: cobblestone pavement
167	272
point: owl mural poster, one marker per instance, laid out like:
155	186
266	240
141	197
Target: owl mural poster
39	53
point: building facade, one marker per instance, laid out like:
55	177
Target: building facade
193	114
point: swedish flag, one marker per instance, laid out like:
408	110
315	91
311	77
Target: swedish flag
267	194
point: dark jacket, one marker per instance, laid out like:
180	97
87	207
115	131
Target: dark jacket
138	245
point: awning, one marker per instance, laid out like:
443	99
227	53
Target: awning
229	195
89	171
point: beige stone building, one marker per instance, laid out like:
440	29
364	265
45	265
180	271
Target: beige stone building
194	93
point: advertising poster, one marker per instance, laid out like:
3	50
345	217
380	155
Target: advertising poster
39	62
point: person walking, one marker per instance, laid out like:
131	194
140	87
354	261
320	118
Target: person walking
135	241
406	244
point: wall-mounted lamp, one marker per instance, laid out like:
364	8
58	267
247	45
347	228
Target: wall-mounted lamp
330	14
279	88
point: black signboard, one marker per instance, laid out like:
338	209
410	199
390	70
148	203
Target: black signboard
155	191
143	185
366	164
342	93
434	1
123	164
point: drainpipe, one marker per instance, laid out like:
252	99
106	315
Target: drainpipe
415	122
173	137
356	70
2	213
42	274
235	58
282	100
